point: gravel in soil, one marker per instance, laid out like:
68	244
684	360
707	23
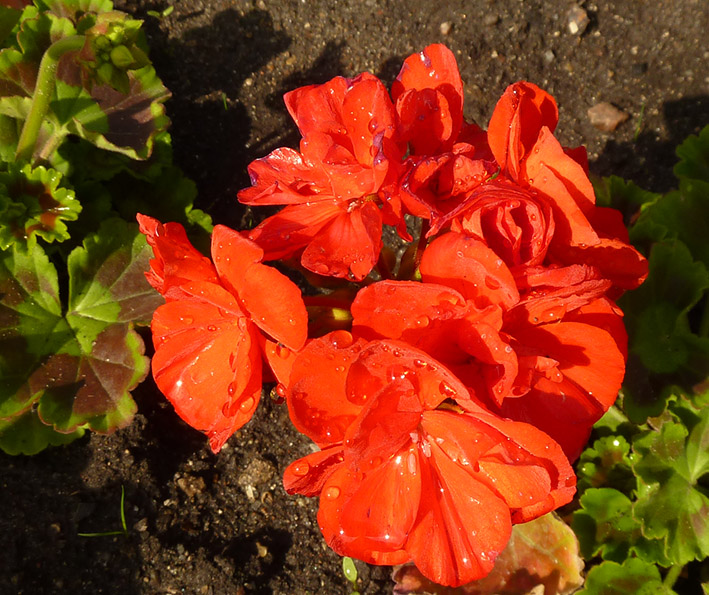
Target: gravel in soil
204	524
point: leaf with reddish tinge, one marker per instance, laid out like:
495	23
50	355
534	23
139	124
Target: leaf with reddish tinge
541	552
107	276
81	367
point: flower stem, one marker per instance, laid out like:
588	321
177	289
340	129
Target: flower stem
43	92
672	576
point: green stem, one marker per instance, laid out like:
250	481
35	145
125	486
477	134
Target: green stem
672	576
43	92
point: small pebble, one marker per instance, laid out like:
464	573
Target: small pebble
606	117
446	27
577	20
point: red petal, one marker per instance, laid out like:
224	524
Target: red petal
308	475
284	177
429	99
317	401
590	372
404	310
292	228
280	360
520	114
176	261
349	246
318	108
471	267
462	525
272	300
383	362
207	363
566	186
369	117
384	426
335	500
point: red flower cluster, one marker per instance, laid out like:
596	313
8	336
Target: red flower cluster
451	407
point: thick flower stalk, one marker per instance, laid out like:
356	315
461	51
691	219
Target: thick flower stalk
448	400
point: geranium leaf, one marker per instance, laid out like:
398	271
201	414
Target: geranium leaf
656	313
92	386
605	524
107	280
27	435
672	506
32	203
633	577
694	157
80	367
541	552
606	464
31	323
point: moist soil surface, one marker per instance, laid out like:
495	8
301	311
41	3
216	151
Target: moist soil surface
204	524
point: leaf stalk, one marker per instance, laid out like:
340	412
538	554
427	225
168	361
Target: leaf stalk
43	92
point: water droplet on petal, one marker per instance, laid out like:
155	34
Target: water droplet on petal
492	283
247	405
301	468
332	493
446	389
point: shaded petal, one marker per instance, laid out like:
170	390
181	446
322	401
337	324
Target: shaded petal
585	384
522	111
349	246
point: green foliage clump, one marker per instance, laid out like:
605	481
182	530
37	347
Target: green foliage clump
83	147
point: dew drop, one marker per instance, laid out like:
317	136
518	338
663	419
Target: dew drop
247	405
301	468
231	389
211	327
332	493
446	389
372	126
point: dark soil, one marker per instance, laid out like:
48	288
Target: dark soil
199	523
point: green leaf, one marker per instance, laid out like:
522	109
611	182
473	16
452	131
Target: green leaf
606	464
672	505
107	280
82	366
605	525
657	319
26	434
31	324
633	577
694	157
622	195
32	203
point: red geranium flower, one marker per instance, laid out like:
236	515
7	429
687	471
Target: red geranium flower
411	468
208	335
336	187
